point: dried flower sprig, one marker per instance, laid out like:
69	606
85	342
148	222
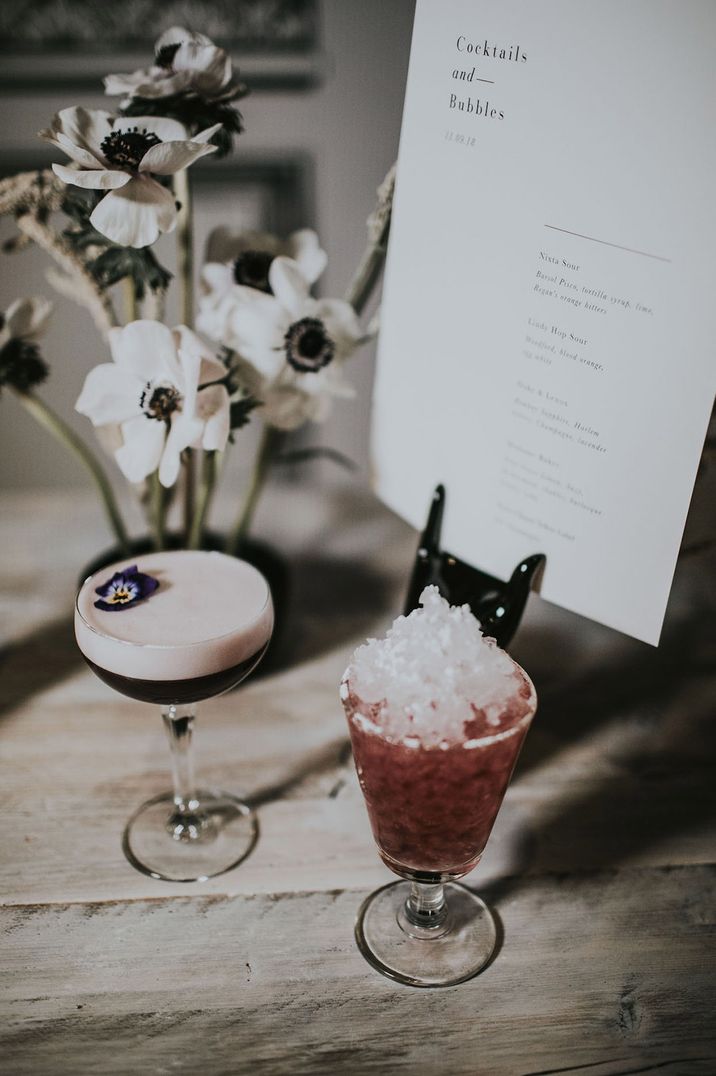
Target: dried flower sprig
31	197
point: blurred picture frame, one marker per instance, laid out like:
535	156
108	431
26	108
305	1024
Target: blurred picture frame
65	44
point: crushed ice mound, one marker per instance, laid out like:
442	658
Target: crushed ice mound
435	678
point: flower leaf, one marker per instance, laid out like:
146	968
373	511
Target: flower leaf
139	263
240	411
114	262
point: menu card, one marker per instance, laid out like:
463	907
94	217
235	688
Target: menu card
548	328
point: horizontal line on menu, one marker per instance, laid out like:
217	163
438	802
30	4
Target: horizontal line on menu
606	243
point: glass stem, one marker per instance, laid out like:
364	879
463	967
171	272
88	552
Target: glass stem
187	822
426	906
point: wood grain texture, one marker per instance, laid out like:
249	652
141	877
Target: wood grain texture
273	983
599	866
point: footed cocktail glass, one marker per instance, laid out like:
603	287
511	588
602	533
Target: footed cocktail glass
433	773
174	629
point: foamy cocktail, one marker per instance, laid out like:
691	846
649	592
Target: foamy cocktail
199	633
437	716
176	628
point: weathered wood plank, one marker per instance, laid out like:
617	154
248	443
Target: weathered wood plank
108	971
603	970
78	759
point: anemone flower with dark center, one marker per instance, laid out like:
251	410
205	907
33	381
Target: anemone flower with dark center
251	269
185	63
290	348
308	345
123	156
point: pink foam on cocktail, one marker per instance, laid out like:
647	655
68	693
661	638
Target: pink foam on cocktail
210	612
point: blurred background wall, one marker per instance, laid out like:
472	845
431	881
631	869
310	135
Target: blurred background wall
322	122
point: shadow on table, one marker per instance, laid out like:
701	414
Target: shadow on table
650	714
331	601
327	759
36	663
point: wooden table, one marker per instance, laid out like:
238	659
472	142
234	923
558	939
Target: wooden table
600	866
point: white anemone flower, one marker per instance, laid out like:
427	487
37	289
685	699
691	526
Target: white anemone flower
245	258
122	156
184	62
290	347
162	390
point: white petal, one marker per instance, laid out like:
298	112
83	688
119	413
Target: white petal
257	323
190	360
170	157
147	350
207	133
96	179
27	318
205	367
85	127
152	83
81	156
213	408
217	277
185	431
211	68
212	369
177	35
109	394
211	320
195	56
134	215
165	129
119	84
341	324
288	285
141	452
304	248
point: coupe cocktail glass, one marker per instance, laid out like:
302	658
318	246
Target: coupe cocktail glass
200	633
432	795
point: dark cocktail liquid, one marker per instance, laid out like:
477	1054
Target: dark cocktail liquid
178	692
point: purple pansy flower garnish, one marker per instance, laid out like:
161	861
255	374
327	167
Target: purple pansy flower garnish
125	588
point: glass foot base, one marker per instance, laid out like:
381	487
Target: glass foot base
443	956
216	836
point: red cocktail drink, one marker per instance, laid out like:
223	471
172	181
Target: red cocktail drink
432	806
437	716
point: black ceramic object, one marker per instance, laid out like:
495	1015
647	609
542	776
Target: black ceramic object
498	606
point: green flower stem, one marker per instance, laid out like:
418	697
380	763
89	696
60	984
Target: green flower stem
157	506
189	470
185	270
269	439
131	299
207	483
59	429
185	247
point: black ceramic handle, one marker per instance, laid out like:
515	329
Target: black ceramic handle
498	606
